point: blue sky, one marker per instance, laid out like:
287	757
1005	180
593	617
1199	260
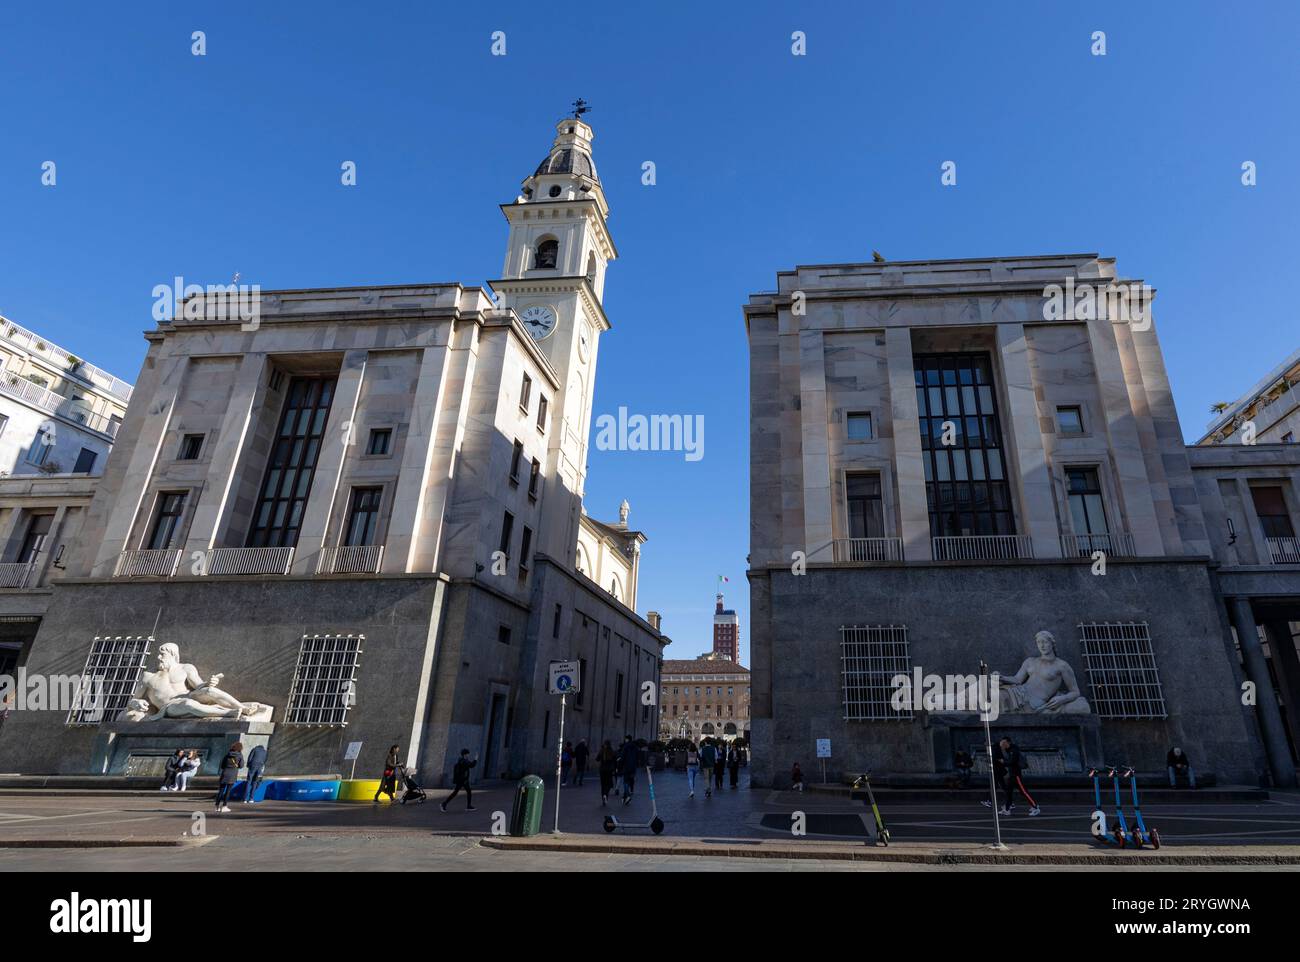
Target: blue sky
171	164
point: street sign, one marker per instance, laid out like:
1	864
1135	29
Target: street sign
566	677
353	752
823	748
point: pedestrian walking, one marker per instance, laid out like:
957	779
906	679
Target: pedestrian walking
566	762
388	783
628	761
460	780
1008	771
796	778
173	769
607	765
708	755
692	768
720	764
580	761
733	765
230	766
256	765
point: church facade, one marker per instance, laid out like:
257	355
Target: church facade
365	509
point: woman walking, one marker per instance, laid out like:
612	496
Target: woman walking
607	760
733	765
230	766
388	784
692	768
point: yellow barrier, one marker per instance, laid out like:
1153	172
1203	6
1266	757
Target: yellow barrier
361	790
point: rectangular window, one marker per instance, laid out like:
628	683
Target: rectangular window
525	550
859	426
380	439
1069	419
961	441
514	462
1270	506
1121	668
324	680
191	447
292	465
555	627
525	393
1086	510
507	529
542	405
582	682
534	480
41	446
167	519
85	461
618	694
363	517
866	509
503	634
118	661
38	531
870	657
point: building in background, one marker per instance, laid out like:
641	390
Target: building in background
704	698
726	632
365	510
943	466
1269	413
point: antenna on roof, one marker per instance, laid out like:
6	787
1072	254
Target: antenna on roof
580	107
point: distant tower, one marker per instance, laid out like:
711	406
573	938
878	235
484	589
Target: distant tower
726	632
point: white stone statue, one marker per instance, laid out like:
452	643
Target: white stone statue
624	510
177	690
1044	684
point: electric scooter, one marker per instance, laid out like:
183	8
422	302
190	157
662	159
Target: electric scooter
1152	836
656	824
882	833
1120	829
1098	815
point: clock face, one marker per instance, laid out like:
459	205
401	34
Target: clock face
584	342
539	320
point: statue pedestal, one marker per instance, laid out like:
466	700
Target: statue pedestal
142	748
1052	744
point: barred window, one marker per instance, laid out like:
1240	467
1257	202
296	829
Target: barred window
324	680
1121	669
870	657
112	670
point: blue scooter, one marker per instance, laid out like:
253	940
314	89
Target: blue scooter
1099	815
1140	829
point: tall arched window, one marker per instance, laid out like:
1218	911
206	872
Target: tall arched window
548	253
591	267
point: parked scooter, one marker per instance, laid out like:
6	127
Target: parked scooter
1139	829
882	833
1098	814
656	824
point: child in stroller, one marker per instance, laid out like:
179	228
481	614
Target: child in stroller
413	793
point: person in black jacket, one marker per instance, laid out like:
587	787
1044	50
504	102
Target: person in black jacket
580	761
628	761
460	780
607	760
230	766
963	763
256	766
1179	764
172	770
1008	769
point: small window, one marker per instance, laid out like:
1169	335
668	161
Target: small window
380	440
555	627
40	449
503	634
85	461
859	426
618	694
38	531
191	446
1070	419
525	547
514	462
507	528
534	480
555	192
167	521
542	405
525	393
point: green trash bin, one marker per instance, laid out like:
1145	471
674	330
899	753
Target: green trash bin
526	816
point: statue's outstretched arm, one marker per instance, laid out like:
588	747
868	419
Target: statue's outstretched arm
1020	677
192	678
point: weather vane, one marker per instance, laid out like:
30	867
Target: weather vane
580	107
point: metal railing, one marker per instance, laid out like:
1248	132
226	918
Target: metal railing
1284	551
17	386
15	575
33	342
983	547
1117	545
249	561
147	563
350	559
864	550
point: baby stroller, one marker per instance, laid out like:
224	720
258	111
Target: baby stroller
413	793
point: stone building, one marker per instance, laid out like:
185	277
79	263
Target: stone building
365	509
950	457
726	631
704	698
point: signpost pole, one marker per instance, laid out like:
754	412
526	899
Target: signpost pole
559	763
988	748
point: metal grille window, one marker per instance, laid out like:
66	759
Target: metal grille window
112	668
1121	669
324	680
870	657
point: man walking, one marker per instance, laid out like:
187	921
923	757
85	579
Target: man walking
720	765
256	765
628	763
580	761
1008	768
460	779
708	758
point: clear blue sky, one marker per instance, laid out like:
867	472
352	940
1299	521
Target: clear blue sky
203	166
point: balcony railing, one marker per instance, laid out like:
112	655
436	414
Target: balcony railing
17	386
865	550
33	342
148	563
1284	551
983	547
249	561
350	559
1117	545
15	575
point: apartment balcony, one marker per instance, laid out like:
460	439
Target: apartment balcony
1118	545
35	344
148	563
983	547
249	561
868	550
24	390
15	575
1284	551
350	559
